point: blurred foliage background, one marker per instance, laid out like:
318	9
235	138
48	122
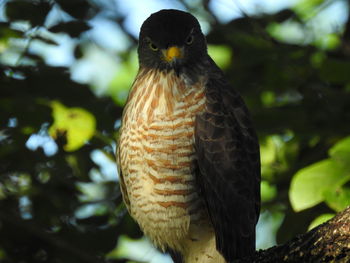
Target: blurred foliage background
65	70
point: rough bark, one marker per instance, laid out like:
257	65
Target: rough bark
329	242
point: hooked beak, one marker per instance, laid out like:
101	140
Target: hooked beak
172	53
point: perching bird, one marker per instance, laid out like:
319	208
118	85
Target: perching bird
188	153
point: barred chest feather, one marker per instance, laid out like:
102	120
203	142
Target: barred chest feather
157	157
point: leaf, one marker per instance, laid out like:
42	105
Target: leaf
7	32
268	191
339	199
33	11
341	150
309	185
328	42
78	124
78	8
320	220
121	83
222	55
72	28
307	8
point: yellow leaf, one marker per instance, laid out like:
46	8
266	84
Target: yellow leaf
78	124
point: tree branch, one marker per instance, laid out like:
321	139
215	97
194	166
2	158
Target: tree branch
329	242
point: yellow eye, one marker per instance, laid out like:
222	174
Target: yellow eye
189	40
153	46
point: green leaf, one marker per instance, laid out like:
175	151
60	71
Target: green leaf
6	33
339	199
268	151
120	85
268	98
320	220
309	185
317	59
78	124
328	42
341	150
221	55
268	191
308	8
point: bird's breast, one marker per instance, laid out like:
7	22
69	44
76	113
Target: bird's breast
157	155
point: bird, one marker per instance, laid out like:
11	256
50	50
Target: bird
188	154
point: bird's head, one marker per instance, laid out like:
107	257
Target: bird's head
171	39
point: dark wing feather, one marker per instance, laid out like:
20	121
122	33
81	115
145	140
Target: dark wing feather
229	167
